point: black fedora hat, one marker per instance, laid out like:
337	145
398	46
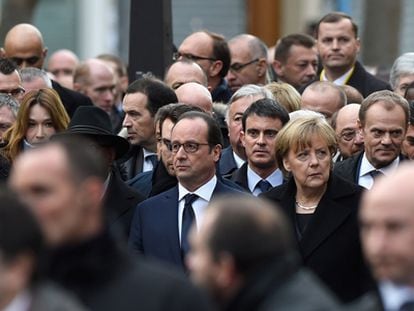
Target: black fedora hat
94	123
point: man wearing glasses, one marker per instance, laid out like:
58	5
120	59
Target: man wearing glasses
345	124
161	223
211	52
24	45
10	80
248	62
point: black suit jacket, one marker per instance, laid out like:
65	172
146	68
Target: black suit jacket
330	245
365	82
227	164
154	228
120	201
71	99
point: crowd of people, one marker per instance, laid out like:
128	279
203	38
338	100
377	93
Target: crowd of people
233	183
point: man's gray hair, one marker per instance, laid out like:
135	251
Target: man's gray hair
29	74
403	65
10	102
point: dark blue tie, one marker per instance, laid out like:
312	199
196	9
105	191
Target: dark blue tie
188	220
153	159
264	185
375	174
407	306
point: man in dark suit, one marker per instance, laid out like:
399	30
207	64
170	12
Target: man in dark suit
142	100
387	234
261	123
24	45
245	258
338	45
234	155
383	121
62	182
119	199
161	223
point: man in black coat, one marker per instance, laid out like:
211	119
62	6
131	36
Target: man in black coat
63	183
383	121
24	45
338	45
244	258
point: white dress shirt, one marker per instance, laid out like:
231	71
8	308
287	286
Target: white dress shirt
275	179
147	164
365	179
394	296
239	161
21	302
199	205
342	80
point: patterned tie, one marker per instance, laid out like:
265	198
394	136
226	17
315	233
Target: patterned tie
264	185
187	221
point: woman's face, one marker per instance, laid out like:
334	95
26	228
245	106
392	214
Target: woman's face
310	166
40	126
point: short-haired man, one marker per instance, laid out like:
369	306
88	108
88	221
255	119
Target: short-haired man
234	155
22	285
211	52
323	97
248	62
244	258
94	78
194	94
62	65
24	45
10	80
348	133
183	71
383	120
338	45
387	235
261	122
407	147
34	79
161	223
296	60
62	182
142	100
402	73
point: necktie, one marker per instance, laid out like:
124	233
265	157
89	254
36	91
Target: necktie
375	174
264	185
152	158
407	306
187	221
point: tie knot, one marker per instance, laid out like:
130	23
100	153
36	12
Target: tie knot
264	185
376	173
190	198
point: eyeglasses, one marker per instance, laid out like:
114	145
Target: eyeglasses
236	67
348	135
189	147
194	58
30	60
15	92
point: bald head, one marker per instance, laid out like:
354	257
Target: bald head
387	219
184	71
195	94
24	44
62	65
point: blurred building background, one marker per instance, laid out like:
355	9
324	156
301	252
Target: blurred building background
90	27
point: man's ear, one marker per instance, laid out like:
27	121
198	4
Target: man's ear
261	67
242	137
227	271
44	52
277	67
2	53
215	68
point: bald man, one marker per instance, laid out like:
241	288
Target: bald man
348	134
24	44
387	235
194	94
62	65
248	61
184	71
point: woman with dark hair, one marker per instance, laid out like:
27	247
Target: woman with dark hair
41	114
322	207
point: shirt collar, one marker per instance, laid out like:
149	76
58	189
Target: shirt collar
275	179
205	191
21	302
394	296
239	161
367	167
147	152
342	80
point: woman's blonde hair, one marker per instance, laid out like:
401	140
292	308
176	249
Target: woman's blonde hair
297	134
286	95
48	99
